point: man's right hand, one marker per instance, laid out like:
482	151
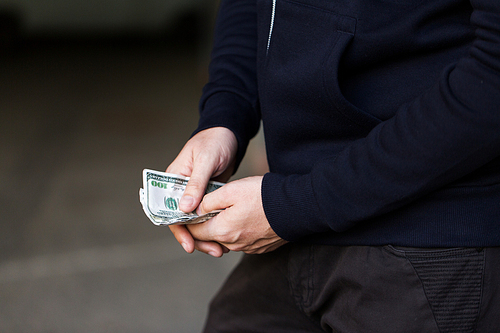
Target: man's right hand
207	155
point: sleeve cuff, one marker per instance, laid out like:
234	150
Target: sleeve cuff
290	206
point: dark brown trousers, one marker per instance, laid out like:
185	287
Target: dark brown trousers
357	289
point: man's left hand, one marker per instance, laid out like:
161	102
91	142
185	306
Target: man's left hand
242	225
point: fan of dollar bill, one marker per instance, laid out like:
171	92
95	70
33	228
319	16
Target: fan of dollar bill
161	195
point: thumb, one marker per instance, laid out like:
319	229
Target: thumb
195	190
216	200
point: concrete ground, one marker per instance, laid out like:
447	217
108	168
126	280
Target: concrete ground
78	123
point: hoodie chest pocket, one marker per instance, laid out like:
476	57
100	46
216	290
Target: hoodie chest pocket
300	61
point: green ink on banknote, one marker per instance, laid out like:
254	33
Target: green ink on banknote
171	203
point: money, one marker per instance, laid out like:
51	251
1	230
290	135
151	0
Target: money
161	194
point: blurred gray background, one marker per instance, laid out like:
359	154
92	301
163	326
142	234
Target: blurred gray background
91	93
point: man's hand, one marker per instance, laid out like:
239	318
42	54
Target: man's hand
208	154
242	225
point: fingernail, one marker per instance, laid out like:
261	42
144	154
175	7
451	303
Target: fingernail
184	246
213	254
186	203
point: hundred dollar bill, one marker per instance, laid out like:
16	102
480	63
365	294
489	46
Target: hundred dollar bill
161	195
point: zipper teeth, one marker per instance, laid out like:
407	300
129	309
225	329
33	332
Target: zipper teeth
271	26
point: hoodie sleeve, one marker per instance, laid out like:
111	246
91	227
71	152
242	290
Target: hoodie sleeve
229	99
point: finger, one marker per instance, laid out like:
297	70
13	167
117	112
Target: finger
184	237
264	247
217	200
203	242
211	248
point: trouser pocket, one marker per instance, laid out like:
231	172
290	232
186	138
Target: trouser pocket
452	280
348	289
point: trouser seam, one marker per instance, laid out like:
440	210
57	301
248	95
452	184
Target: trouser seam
481	298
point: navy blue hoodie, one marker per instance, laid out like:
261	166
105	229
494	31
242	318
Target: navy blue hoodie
381	117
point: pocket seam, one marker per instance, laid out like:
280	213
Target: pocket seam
471	305
331	86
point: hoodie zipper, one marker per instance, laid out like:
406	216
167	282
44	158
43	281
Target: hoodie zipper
271	26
